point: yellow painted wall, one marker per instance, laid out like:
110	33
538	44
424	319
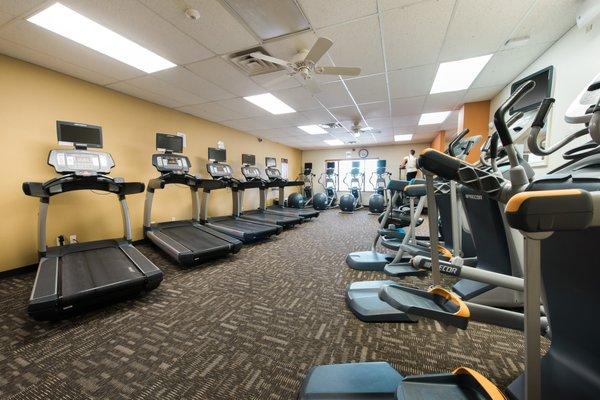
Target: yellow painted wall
32	100
475	117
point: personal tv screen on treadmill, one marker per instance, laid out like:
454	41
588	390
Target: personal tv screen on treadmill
307	165
330	165
270	162
533	99
218	155
381	163
172	143
248	159
76	133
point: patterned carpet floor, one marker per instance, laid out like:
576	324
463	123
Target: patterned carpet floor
246	327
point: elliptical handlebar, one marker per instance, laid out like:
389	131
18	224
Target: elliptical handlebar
456	140
500	121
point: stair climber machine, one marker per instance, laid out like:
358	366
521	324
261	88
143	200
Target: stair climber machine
329	180
254	181
75	277
304	199
559	217
352	201
232	225
378	200
277	181
475	234
187	242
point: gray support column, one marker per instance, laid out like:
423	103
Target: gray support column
126	219
204	206
41	233
148	209
456	229
195	206
235	199
263	198
281	200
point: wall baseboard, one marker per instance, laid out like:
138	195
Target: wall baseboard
18	271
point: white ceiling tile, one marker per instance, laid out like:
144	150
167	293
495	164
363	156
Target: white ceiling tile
380	123
380	109
411	82
4	18
334	95
348	38
428	128
232	35
443	101
210	111
267	122
481	94
45	42
480	27
242	107
19	7
368	89
162	88
187	80
140	24
349	113
226	76
299	98
548	20
451	123
246	124
406	121
45	60
390	4
324	13
414	35
506	65
286	47
265	80
144	94
318	116
407	106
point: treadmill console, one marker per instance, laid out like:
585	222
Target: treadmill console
273	173
174	163
218	170
80	162
251	172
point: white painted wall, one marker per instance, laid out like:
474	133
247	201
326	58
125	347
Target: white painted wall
576	61
393	154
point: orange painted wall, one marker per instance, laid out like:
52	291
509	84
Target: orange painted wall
439	142
475	117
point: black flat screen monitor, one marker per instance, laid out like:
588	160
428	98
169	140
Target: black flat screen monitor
308	165
74	134
355	164
270	161
218	155
330	165
248	159
173	143
381	163
542	89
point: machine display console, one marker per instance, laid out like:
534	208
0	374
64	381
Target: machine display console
581	108
273	173
80	162
250	172
171	163
217	170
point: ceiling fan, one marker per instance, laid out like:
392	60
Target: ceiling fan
304	65
357	130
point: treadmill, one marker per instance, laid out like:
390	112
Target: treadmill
74	277
233	225
276	180
187	242
253	180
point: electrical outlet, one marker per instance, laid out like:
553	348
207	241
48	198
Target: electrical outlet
72	239
172	219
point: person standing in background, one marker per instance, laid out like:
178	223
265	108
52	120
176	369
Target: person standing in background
410	163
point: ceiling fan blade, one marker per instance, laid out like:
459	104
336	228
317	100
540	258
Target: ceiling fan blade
276	81
312	86
261	56
319	49
347	71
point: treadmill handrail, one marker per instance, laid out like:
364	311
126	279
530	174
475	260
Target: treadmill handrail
72	182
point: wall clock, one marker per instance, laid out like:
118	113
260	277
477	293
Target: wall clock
363	153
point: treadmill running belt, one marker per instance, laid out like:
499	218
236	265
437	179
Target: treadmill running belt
90	269
195	239
242	225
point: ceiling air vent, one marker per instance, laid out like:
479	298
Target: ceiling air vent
253	66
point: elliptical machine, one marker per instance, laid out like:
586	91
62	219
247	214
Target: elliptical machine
328	179
379	199
352	201
304	199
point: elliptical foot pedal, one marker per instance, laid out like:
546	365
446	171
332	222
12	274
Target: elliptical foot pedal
363	300
403	270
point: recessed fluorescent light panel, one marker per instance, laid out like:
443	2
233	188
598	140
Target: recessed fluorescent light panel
313	129
334	142
433	118
72	25
268	102
458	75
402	138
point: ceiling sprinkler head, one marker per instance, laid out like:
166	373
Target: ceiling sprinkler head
192	14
